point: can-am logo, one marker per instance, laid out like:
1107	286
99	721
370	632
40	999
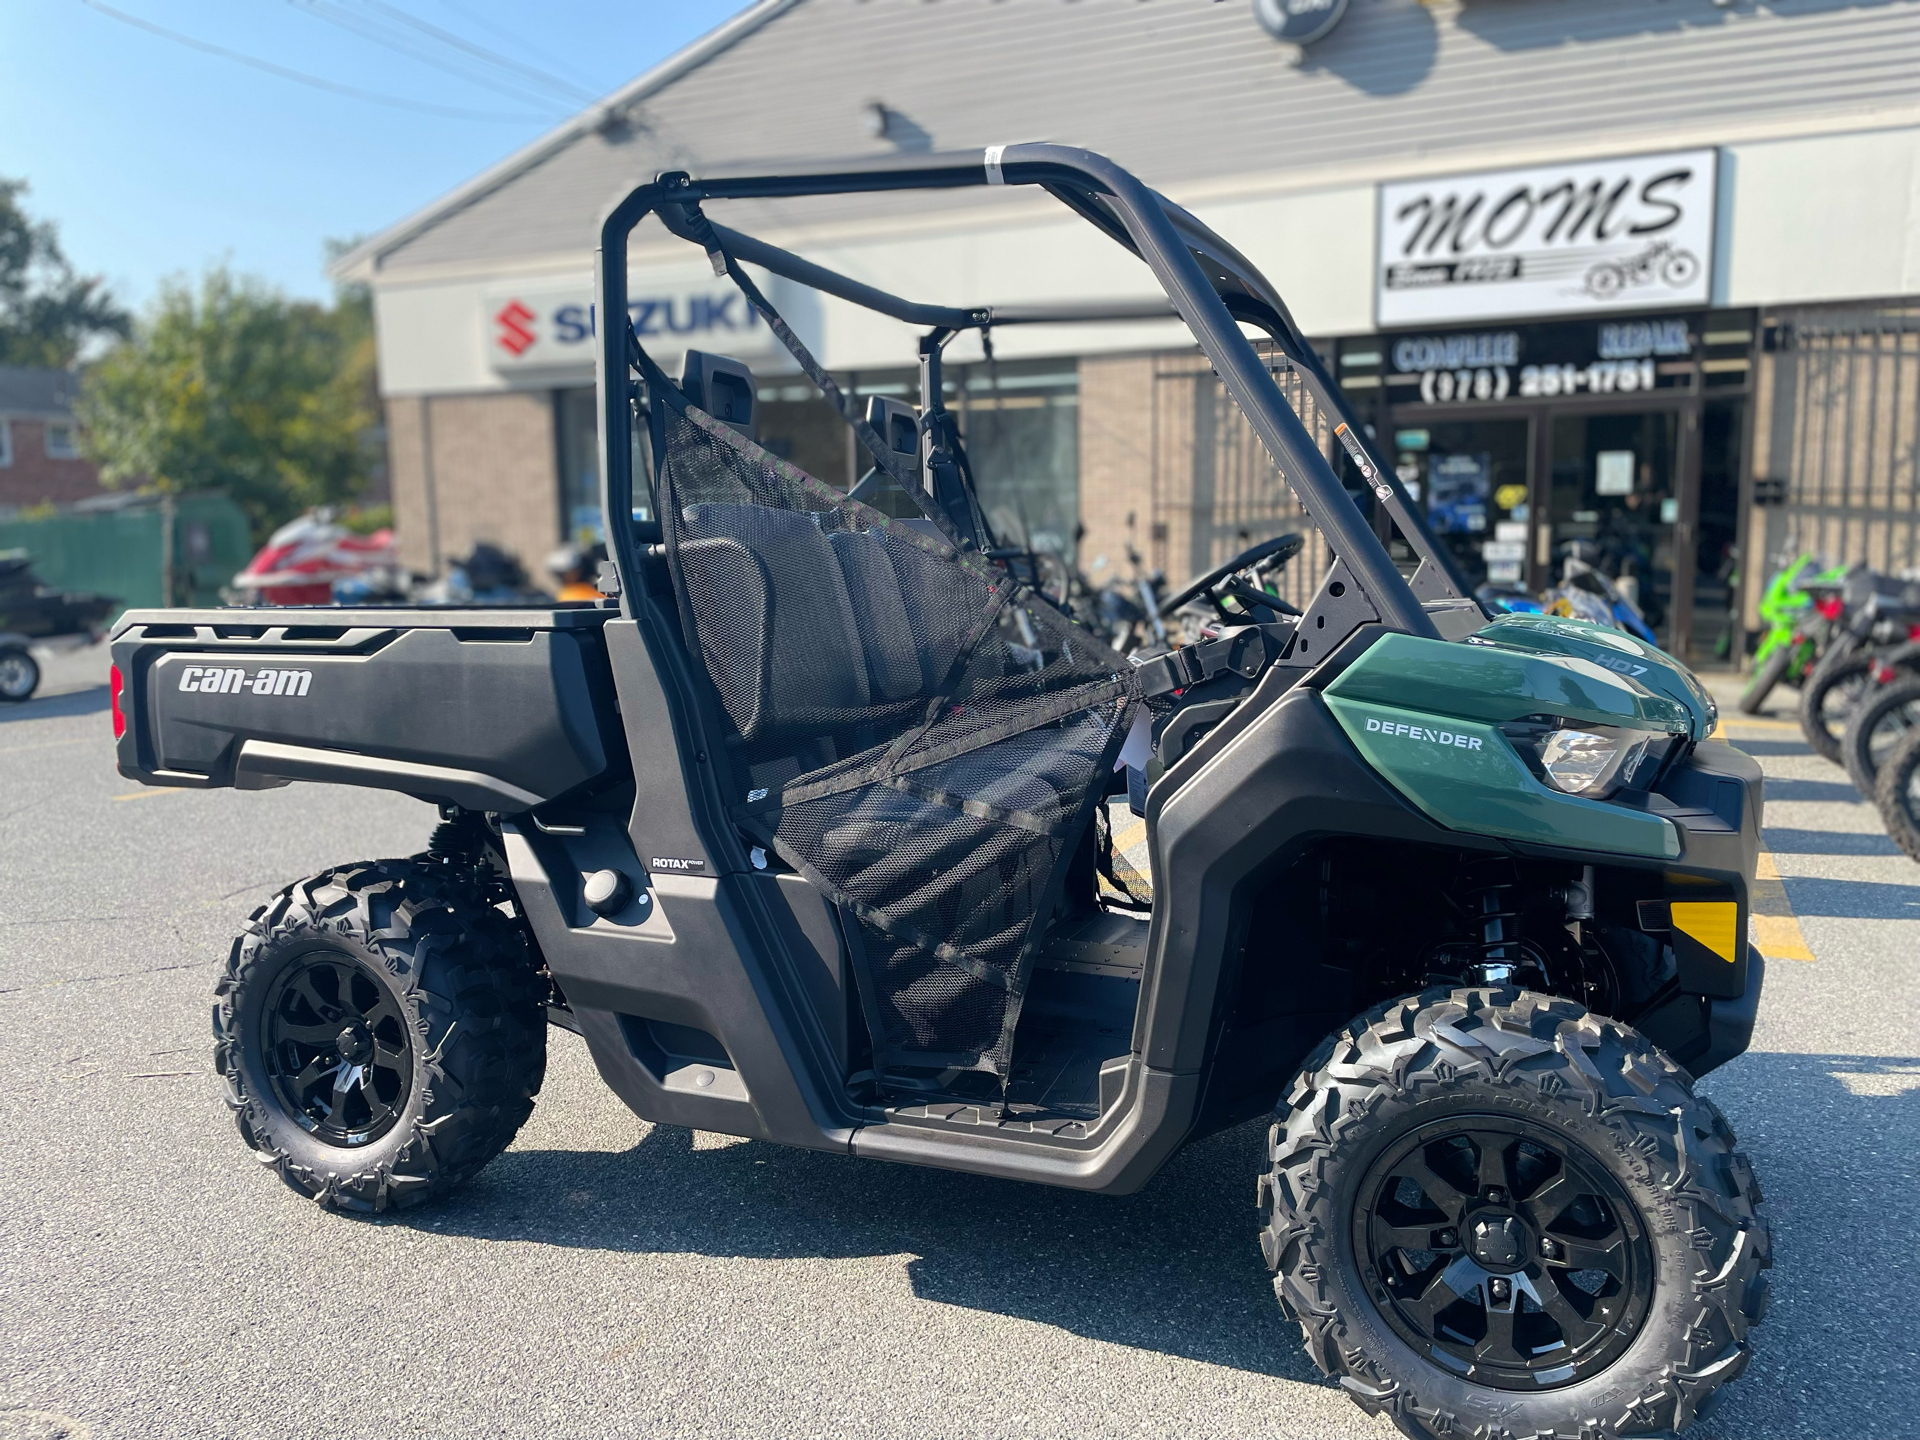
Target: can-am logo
231	680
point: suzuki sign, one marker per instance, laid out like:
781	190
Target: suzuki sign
544	326
1600	235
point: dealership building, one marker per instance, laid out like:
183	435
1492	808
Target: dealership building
1644	274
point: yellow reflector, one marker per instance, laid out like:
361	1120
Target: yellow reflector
1713	923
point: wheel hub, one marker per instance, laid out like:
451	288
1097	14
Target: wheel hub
1498	1241
355	1044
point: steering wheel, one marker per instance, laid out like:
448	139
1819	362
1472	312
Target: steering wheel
1220	584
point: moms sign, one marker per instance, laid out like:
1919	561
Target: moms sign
1608	235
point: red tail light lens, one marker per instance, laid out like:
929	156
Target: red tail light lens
1830	607
114	684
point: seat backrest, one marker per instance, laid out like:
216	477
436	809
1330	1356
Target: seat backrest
895	663
811	660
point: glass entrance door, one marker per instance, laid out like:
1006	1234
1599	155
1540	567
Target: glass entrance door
1614	499
1471	478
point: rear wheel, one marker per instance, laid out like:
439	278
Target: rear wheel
1492	1212
382	1033
1885	716
1764	679
19	674
1897	792
1828	701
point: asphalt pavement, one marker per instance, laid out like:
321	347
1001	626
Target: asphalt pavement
605	1277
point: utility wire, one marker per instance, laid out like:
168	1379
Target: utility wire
368	29
315	81
578	94
560	66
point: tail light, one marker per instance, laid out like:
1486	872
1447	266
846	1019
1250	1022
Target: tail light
1879	671
114	685
1830	607
1913	632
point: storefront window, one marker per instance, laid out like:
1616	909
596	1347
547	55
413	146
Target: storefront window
1470	476
577	422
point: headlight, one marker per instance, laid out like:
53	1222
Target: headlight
1588	760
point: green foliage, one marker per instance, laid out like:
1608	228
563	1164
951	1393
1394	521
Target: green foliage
230	385
47	313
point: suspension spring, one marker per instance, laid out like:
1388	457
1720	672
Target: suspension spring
1490	901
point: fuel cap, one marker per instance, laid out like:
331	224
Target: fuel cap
606	892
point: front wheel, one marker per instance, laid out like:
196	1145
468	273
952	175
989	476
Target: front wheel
1884	716
1896	790
382	1032
1828	700
19	675
1492	1212
1764	679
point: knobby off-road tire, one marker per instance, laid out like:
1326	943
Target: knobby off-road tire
1896	791
1569	1104
382	1031
1768	676
1829	699
1885	716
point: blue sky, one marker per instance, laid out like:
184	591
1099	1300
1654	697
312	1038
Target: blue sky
156	159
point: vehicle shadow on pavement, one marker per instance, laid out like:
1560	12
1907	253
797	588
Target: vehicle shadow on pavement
1174	1269
1830	790
89	701
1832	1141
1853	899
1784	841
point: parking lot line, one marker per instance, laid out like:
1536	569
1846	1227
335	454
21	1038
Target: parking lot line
1775	928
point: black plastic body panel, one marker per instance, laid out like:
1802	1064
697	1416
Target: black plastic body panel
491	709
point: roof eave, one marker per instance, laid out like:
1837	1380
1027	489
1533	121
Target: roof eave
362	262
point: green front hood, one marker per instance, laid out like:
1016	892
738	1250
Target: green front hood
1647	666
1425	714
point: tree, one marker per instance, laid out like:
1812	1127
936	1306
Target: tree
230	385
47	313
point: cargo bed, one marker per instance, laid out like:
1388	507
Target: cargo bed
483	707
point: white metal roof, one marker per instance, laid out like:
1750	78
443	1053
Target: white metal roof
1195	97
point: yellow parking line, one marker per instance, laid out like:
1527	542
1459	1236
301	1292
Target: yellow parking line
150	792
1775	928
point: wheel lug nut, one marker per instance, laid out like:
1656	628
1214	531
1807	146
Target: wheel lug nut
1496	1195
1499	1288
1548	1248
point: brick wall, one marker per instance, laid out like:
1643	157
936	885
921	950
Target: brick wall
467	468
35	478
1162	443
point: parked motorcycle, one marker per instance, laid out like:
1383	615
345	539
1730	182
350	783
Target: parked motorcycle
1799	607
1878	616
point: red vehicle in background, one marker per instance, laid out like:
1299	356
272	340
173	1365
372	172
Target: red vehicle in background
305	558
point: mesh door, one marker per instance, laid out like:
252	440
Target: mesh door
913	730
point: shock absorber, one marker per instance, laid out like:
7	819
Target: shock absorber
1490	903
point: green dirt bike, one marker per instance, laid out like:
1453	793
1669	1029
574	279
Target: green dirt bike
1799	607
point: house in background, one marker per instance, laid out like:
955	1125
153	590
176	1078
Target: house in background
40	460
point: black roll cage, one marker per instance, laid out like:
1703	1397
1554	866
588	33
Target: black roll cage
1209	285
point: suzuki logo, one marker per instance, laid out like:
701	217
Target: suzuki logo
515	337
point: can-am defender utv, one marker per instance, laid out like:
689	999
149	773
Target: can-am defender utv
802	832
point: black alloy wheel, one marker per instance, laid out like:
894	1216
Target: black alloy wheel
19	675
1505	1255
338	1050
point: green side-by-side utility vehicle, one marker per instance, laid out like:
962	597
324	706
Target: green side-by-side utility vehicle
805	831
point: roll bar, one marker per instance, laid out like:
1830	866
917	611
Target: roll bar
1199	273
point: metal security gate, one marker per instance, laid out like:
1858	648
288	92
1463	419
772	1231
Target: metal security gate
1215	488
1837	439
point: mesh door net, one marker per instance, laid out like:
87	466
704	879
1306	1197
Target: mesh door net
917	733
